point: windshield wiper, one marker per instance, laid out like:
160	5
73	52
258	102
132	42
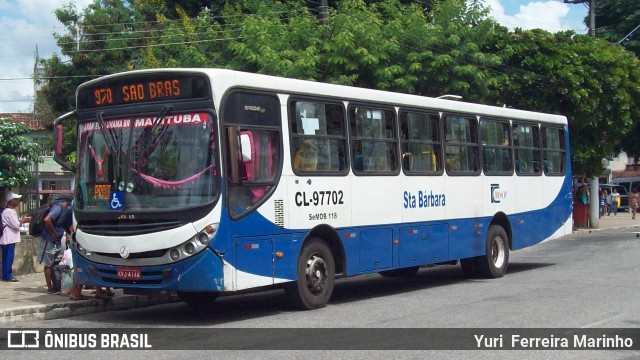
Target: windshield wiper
144	144
109	138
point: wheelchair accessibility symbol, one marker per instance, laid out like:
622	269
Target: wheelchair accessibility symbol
117	200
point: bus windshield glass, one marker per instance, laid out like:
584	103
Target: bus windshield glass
150	163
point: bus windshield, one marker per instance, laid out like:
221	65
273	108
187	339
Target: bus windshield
153	163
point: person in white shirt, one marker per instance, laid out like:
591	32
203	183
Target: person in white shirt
10	234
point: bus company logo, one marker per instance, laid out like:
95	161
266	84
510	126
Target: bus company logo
496	194
255	108
21	339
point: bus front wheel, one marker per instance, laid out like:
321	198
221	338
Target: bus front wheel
315	277
494	264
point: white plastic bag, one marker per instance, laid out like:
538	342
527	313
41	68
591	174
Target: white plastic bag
66	282
67	259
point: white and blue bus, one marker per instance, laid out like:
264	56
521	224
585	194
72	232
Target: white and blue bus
210	181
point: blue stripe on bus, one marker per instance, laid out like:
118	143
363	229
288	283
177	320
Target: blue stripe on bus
465	239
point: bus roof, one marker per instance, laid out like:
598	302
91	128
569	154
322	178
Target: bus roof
223	79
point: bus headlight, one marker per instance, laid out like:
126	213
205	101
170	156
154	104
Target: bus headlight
194	245
204	238
189	248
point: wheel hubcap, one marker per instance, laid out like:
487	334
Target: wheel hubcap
497	251
316	274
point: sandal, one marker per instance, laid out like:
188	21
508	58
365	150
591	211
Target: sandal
82	297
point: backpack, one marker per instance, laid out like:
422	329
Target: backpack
37	218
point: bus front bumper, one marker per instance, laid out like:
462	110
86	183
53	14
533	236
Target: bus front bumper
202	272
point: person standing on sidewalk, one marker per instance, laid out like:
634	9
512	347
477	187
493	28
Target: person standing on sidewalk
634	202
614	202
10	234
51	242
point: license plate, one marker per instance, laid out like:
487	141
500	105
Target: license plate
128	273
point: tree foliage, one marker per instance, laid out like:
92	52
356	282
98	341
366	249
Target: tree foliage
592	82
615	19
16	154
430	47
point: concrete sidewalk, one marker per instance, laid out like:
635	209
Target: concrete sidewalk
28	300
619	221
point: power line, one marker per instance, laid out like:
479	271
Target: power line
629	34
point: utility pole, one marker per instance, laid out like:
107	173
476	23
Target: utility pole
592	13
323	12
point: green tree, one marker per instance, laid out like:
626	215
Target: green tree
429	47
16	153
594	83
615	19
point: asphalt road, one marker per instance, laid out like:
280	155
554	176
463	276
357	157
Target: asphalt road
577	282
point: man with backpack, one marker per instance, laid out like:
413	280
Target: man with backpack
10	234
55	222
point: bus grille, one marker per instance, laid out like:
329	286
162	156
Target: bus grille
140	255
126	228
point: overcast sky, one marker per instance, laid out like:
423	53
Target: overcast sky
25	24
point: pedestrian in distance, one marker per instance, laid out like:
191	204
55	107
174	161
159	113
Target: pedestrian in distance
613	201
49	252
604	202
634	202
10	234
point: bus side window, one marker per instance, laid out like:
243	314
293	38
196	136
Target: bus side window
420	142
318	139
306	158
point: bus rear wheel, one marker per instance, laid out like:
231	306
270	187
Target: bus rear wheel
496	260
315	277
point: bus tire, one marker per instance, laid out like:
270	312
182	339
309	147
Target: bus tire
315	277
494	264
404	272
469	267
198	299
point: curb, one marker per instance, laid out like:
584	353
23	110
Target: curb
584	231
68	309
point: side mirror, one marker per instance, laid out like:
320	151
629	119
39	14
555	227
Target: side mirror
247	147
57	129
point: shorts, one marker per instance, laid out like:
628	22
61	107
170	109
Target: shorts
53	250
